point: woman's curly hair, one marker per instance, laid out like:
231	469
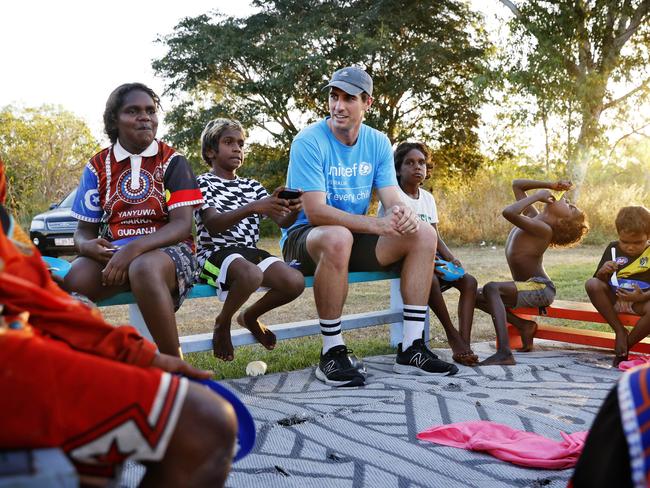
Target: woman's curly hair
116	101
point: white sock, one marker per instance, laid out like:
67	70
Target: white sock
414	317
331	332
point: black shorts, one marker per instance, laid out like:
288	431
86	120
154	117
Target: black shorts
362	258
215	268
251	254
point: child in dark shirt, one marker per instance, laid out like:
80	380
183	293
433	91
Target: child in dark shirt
560	223
621	283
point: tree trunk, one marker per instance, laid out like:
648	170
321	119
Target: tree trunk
547	149
584	149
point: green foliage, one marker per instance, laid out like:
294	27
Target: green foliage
574	59
267	70
266	164
602	201
42	147
268	228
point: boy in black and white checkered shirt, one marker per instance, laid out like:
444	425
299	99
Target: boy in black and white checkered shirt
228	231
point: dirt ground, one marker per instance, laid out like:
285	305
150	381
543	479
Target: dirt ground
485	263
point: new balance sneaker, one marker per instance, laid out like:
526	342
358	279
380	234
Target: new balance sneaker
339	367
419	360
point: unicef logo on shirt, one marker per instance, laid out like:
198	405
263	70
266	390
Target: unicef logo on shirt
361	169
365	169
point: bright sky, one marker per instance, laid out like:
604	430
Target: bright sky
74	53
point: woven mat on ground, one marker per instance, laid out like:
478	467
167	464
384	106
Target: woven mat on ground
311	435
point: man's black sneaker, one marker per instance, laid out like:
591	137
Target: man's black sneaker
339	367
418	360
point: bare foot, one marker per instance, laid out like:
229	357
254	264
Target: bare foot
466	358
527	330
503	358
222	343
263	335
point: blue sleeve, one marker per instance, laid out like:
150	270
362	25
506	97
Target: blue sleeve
86	204
305	167
385	175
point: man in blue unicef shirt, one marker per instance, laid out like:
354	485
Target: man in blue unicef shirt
337	162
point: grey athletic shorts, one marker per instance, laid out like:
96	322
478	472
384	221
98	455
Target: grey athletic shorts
535	292
186	270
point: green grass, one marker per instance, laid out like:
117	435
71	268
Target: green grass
288	355
570	280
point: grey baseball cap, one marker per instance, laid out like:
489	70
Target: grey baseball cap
352	80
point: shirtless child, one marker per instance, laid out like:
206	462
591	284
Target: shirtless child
559	224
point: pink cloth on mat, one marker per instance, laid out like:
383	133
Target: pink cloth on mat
633	361
508	444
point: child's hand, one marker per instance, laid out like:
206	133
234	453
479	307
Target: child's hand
635	295
562	185
172	364
293	204
116	271
606	270
544	196
277	191
273	206
98	249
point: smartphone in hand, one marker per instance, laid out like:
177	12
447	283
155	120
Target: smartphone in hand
289	194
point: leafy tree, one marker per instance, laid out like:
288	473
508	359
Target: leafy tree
267	70
44	150
574	57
